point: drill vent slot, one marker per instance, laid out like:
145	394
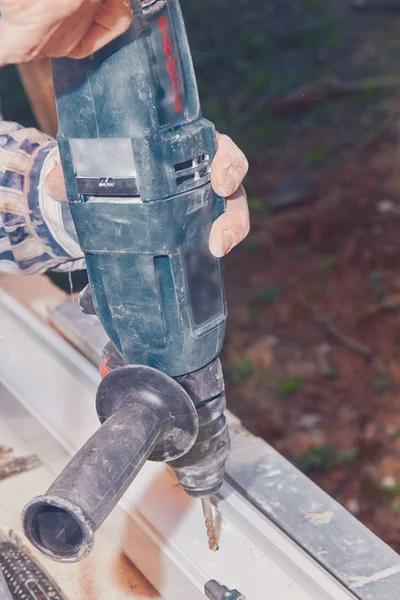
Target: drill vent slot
185	179
192	170
184	165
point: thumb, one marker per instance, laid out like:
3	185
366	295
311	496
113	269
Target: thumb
54	184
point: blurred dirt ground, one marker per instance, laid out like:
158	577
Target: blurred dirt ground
313	349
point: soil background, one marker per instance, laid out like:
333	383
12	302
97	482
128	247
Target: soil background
311	91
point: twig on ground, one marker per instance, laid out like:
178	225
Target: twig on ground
343	339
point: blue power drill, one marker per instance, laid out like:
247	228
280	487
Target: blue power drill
136	155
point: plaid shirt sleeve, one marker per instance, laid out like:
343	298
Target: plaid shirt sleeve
36	233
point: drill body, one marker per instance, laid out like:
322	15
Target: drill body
136	155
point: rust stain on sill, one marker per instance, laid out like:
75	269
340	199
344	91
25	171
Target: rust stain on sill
11	465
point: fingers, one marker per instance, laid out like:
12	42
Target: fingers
231	227
74	28
112	19
228	170
70	31
229	167
54	180
26	27
18	44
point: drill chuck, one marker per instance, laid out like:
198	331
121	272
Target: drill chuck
201	471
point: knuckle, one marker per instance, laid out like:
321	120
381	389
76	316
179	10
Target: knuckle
226	139
243	225
245	165
240	225
241	163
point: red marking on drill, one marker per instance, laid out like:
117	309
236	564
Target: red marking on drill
104	370
163	26
171	66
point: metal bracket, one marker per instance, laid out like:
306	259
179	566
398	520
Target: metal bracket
215	591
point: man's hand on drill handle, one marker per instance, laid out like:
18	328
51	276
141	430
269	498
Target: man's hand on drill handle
228	170
31	29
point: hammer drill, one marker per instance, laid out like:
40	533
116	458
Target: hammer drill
136	155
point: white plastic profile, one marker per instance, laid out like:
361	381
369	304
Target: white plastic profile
158	527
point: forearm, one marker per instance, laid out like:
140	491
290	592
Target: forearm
36	233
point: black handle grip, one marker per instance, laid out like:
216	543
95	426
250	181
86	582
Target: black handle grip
148	414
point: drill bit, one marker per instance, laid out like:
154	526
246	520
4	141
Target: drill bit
210	524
